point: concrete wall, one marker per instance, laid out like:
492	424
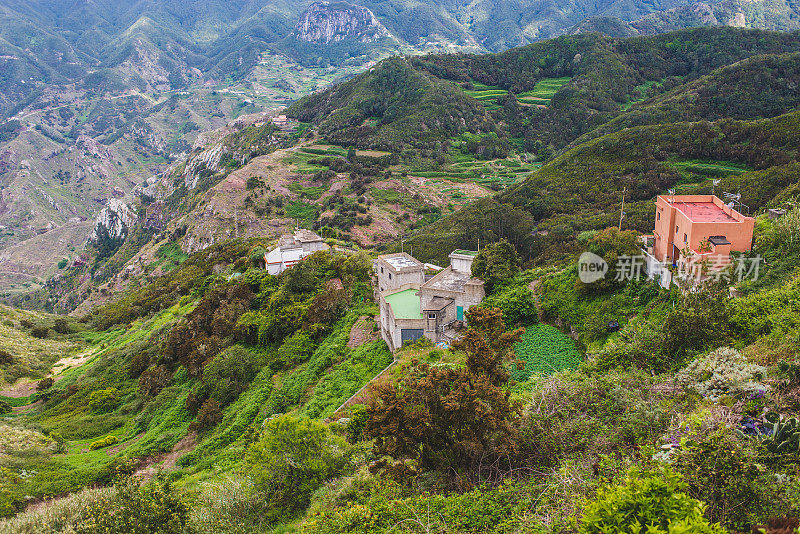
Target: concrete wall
461	262
391	278
668	217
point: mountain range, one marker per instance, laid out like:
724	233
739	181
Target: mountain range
103	97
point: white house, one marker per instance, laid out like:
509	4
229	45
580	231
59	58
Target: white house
292	249
412	307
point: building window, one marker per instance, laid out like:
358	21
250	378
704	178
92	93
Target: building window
390	276
658	216
431	315
676	228
685	238
381	270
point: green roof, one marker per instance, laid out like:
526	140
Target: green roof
405	304
466	252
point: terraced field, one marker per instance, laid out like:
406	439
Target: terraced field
543	92
486	95
540	95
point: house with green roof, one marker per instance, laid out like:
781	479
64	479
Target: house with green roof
413	305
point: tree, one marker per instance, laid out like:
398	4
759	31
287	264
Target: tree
517	303
487	344
292	459
496	263
451	418
615	247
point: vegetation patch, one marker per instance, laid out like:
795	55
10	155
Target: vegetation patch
545	350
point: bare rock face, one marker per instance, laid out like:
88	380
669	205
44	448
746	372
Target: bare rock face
326	22
113	221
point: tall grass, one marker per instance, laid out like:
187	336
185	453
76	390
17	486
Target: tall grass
55	516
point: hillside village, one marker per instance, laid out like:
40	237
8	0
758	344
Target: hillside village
549	290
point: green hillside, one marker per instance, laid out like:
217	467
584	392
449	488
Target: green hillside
191	392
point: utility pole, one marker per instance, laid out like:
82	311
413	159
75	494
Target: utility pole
622	209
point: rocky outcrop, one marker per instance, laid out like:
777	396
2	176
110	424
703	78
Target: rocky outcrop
326	22
113	221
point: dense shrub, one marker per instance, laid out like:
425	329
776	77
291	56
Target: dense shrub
646	502
102	443
722	372
40	332
104	400
496	263
153	508
61	326
209	416
229	373
291	460
153	380
517	303
45	384
727	475
295	349
578	413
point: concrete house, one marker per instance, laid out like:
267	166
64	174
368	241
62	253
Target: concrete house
413	305
292	249
695	227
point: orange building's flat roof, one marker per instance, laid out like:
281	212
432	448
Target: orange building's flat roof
703	212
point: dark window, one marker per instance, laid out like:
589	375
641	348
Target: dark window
431	315
381	270
390	276
676	228
658	216
685	238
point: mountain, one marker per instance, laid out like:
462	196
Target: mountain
97	97
439	149
768	15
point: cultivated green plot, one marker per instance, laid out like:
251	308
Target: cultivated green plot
545	349
543	91
696	171
486	95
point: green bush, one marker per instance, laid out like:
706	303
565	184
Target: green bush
150	509
517	303
729	476
104	400
103	443
646	502
295	349
229	373
292	459
496	263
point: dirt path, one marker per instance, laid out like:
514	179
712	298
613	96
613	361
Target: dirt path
20	388
24	387
167	462
362	332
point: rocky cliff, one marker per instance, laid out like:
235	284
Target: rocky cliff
326	22
113	221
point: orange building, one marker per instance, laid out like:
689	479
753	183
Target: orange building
702	224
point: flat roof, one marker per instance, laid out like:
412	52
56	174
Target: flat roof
405	304
466	252
401	261
703	211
